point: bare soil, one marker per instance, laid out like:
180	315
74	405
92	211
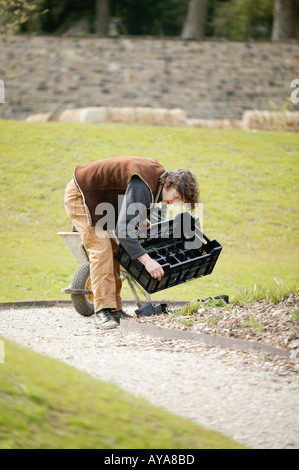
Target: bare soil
273	324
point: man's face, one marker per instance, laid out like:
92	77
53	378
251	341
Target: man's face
170	195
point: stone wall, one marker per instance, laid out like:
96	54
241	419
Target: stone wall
208	80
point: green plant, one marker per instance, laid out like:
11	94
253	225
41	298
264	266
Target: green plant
212	303
287	106
188	309
245	297
212	320
280	291
275	293
254	323
185	321
295	316
280	112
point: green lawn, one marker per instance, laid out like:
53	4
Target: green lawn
45	404
248	182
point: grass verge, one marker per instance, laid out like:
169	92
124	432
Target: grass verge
67	409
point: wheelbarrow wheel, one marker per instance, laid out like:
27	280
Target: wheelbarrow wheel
83	303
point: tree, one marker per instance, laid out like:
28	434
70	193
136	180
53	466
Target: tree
150	17
195	21
102	17
13	13
243	19
284	23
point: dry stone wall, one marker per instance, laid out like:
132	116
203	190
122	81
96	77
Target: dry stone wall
207	80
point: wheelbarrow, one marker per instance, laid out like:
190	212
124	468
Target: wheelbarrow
80	287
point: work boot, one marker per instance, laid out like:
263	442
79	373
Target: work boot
104	320
118	314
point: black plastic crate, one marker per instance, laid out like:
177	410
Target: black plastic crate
183	256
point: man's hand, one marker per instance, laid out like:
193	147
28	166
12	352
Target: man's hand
155	269
146	223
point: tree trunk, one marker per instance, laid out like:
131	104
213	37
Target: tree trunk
195	21
102	17
284	21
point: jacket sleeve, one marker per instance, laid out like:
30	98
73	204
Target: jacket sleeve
133	212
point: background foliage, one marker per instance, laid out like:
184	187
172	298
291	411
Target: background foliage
232	19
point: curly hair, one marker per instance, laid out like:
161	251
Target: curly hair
184	182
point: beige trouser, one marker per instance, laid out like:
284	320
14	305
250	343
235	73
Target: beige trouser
104	269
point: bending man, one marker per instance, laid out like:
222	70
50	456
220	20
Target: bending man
99	201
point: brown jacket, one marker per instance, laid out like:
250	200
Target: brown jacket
105	180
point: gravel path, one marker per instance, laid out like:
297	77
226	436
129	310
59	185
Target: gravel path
250	397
